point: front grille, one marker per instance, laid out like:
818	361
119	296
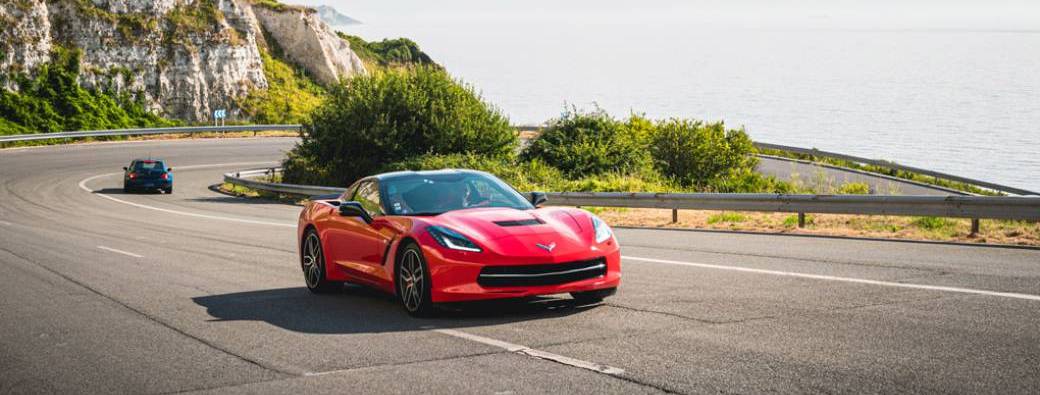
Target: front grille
546	274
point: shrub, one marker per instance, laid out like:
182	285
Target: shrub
695	154
389	52
590	143
748	181
396	114
854	188
524	176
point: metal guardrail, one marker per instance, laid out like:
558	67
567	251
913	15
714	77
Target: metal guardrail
244	178
974	207
265	128
148	131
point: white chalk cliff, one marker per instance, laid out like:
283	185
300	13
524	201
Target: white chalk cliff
184	58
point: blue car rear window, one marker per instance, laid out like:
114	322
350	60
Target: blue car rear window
150	165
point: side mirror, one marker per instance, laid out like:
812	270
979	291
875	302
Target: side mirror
125	169
169	169
538	198
354	209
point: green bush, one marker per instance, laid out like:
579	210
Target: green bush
590	143
55	102
854	188
524	176
748	181
389	52
696	154
368	121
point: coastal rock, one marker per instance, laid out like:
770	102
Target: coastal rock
314	45
182	58
25	37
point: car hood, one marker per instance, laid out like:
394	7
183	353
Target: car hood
519	232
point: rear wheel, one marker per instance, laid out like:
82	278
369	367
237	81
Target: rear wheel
413	282
312	259
589	297
168	190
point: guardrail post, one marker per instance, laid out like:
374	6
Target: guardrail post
675	215
801	220
975	226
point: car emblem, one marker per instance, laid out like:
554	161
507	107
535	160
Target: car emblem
548	247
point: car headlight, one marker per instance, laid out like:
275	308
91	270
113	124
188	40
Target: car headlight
602	230
452	240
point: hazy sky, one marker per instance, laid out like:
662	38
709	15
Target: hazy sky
826	14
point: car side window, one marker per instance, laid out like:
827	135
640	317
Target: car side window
368	195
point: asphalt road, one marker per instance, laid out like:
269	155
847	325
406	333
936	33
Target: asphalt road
104	292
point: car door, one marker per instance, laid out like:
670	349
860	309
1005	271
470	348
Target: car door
359	247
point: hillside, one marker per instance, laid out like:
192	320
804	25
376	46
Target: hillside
176	59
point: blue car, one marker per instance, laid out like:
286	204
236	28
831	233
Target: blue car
147	175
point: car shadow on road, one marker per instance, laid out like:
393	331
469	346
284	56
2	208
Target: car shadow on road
120	191
362	310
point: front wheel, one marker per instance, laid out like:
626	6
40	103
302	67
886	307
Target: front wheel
312	258
590	297
413	282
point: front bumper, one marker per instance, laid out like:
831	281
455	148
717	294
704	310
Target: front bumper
458	280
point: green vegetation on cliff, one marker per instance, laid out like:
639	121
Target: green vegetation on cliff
291	94
54	101
389	53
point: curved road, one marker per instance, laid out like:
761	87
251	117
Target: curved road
197	291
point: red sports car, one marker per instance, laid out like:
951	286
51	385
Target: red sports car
454	235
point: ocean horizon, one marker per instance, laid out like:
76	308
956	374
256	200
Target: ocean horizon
962	99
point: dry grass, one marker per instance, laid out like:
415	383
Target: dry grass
910	228
240	191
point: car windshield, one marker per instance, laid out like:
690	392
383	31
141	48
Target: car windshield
149	165
432	194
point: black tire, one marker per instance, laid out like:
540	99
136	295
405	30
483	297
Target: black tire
168	190
127	189
413	289
590	297
312	261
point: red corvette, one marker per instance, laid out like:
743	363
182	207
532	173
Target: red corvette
454	235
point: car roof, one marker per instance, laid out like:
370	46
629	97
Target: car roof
410	173
148	160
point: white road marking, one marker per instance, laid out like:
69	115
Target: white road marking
120	252
524	350
1011	295
5	223
83	186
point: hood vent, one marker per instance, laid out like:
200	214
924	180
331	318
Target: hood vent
522	222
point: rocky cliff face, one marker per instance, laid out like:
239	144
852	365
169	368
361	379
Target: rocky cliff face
312	44
184	58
